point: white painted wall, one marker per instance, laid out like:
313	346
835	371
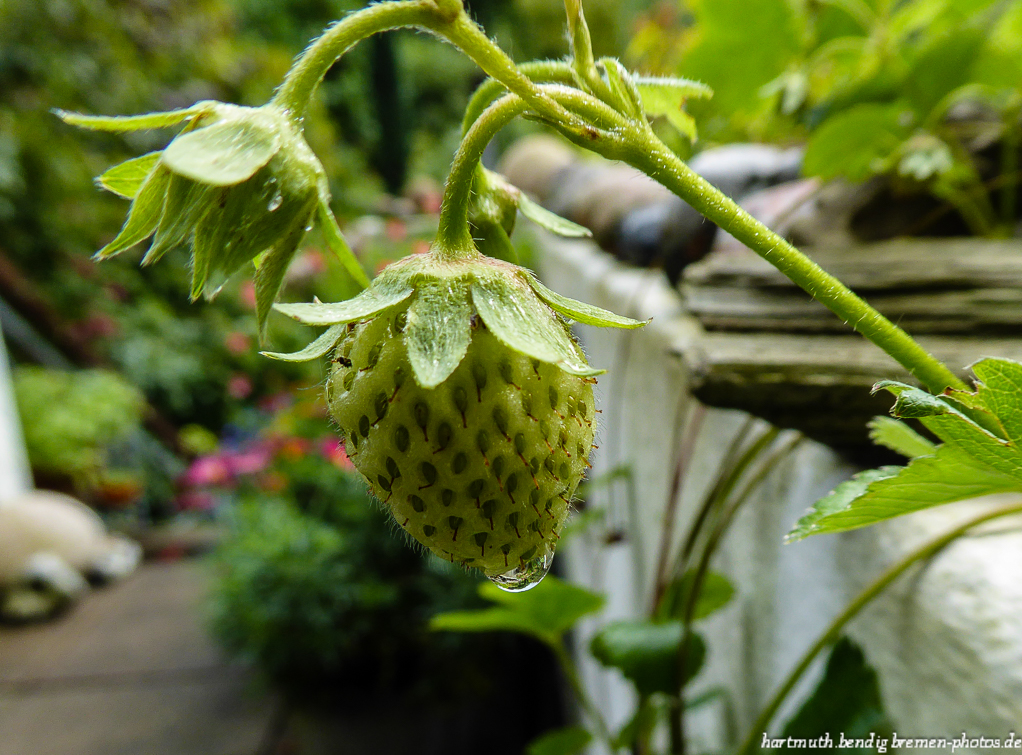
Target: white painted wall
15	477
946	641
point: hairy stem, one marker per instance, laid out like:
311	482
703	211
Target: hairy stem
833	632
655	159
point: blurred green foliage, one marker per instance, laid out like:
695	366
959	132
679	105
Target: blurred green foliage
71	418
925	92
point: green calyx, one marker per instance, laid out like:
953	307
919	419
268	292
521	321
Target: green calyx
441	300
236	185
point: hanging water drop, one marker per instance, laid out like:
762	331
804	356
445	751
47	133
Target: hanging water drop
526	576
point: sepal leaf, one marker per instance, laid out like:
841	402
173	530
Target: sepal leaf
666	96
335	240
314	350
224	153
143	215
118	123
367	304
438	332
270	272
554	223
581	312
126	180
519	319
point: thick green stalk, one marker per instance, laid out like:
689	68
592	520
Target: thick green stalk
655	159
833	632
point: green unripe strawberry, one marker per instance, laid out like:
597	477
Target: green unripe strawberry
479	469
466	404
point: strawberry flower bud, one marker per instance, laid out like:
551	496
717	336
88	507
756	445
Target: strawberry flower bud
237	185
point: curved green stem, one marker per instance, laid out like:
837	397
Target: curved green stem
454	239
653	157
311	66
538	71
832	633
457	28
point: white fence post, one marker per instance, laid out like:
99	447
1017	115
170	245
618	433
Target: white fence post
15	477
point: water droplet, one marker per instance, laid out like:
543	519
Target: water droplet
275	203
526	576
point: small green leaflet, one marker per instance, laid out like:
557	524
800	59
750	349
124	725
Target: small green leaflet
546	612
647	653
125	180
716	593
666	96
118	123
570	740
899	437
980	454
541	216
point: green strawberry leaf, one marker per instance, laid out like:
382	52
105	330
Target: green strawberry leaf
949	474
143	215
521	321
365	306
570	740
647	654
899	437
335	241
716	593
125	180
270	273
541	216
953	426
581	312
118	123
545	612
438	332
224	153
856	143
314	350
667	96
1001	393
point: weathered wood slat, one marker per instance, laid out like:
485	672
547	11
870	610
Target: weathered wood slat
952	286
819	384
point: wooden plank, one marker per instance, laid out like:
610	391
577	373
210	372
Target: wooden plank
819	384
908	264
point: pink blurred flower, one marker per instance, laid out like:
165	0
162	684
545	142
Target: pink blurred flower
207	470
246	292
238	343
420	246
239	386
196	500
333	450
